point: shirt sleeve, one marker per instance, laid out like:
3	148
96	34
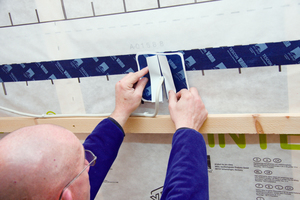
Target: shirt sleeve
187	173
104	142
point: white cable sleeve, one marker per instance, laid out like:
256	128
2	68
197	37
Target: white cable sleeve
155	75
167	74
146	114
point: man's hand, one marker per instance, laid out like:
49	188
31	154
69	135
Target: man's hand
128	95
187	109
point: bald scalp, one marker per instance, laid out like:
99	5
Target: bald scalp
36	162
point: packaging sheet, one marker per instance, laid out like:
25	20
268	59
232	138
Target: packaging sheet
241	166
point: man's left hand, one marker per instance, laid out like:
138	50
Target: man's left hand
128	95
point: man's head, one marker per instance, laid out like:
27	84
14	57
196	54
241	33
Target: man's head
37	162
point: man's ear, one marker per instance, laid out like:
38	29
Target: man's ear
67	195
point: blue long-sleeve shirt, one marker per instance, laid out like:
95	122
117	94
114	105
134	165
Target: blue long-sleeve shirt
104	142
187	175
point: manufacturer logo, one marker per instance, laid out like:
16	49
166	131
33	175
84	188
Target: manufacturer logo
221	66
29	73
95	59
6	68
102	68
76	63
260	48
190	61
52	77
129	70
295	54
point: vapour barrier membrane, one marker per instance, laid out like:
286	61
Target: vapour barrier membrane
217	37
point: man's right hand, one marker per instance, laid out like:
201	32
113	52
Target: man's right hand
187	109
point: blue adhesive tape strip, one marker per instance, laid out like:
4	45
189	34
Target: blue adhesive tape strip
267	54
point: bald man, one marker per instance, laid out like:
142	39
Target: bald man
49	162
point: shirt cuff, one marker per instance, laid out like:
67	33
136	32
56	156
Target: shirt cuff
184	128
117	124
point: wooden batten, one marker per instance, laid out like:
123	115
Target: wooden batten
215	124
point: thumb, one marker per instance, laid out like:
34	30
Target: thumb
172	98
140	86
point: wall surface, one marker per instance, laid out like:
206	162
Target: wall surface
241	166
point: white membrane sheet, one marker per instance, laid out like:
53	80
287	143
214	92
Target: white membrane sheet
201	25
240	167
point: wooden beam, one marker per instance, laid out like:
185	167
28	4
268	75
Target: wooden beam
215	124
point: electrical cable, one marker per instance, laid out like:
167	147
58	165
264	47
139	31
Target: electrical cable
145	114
